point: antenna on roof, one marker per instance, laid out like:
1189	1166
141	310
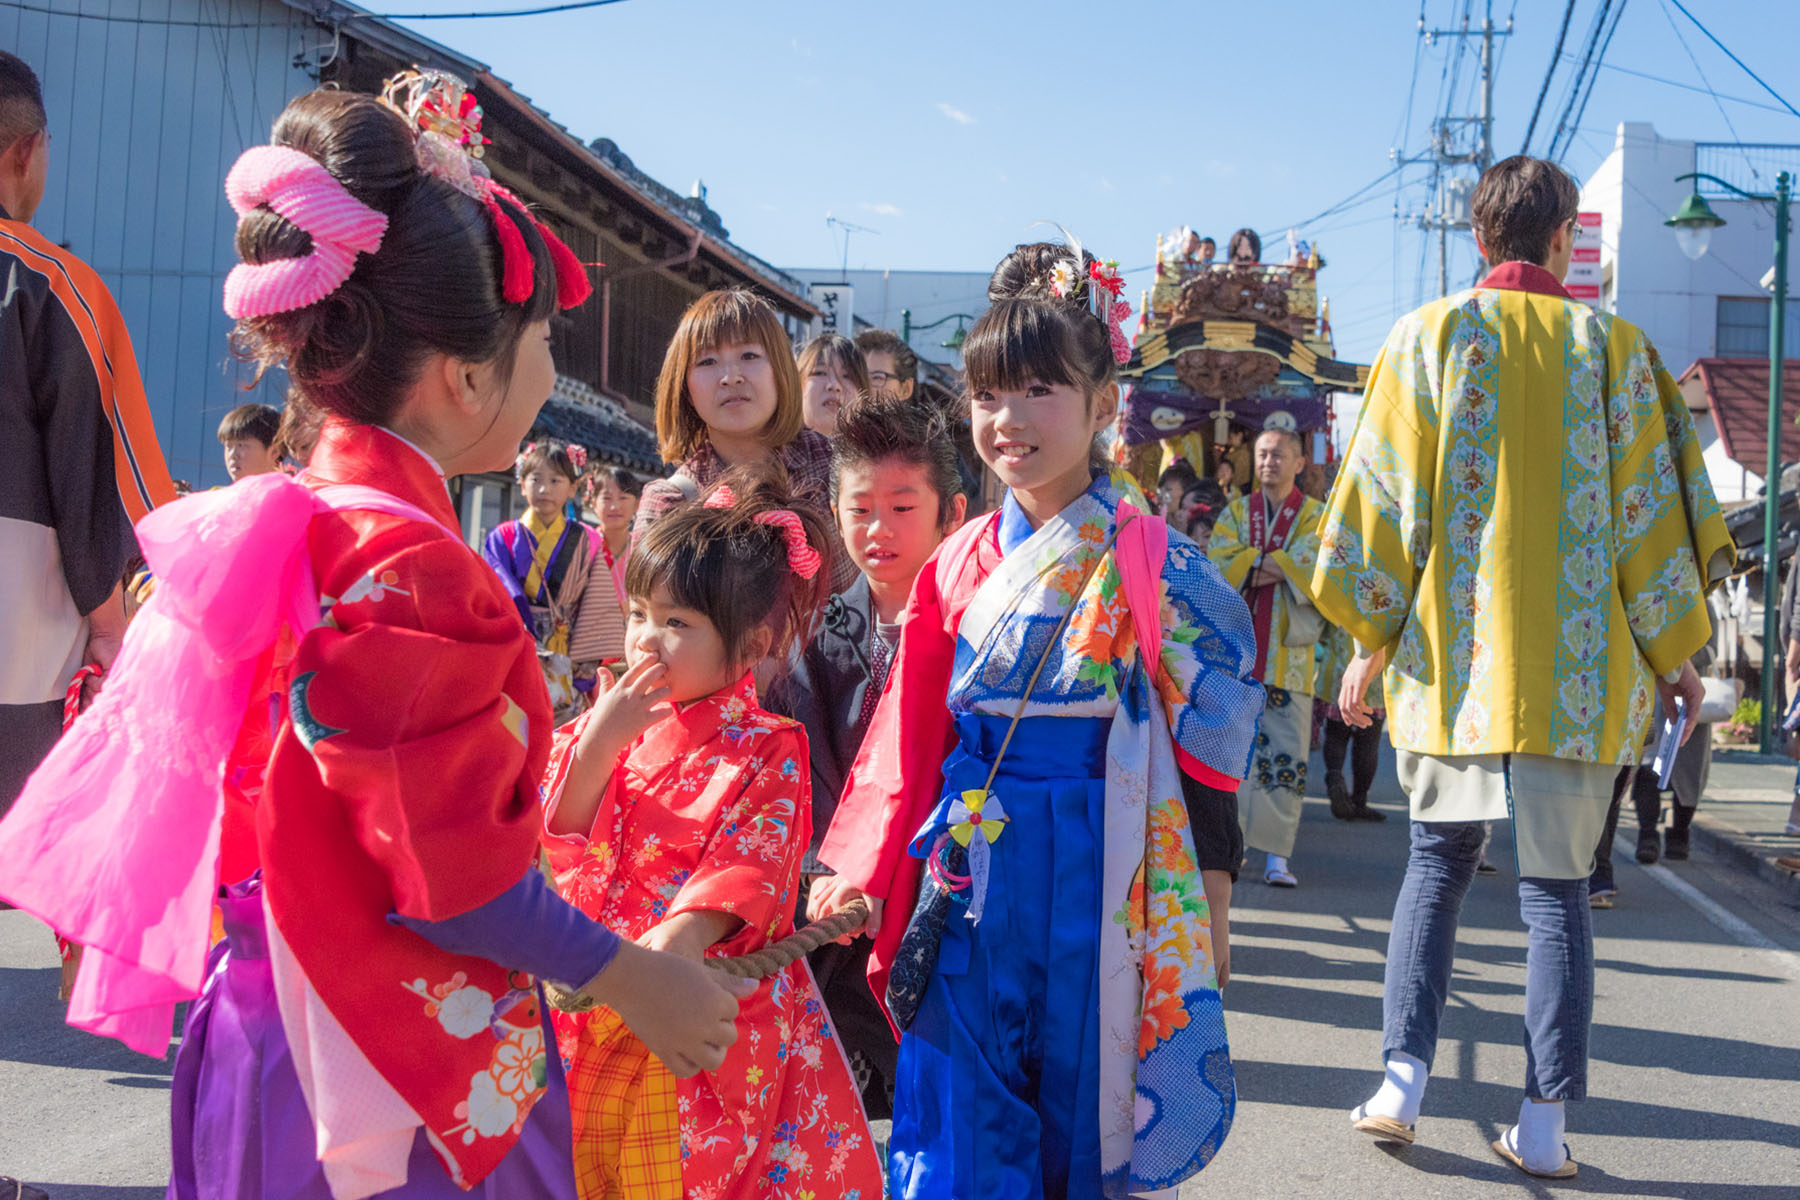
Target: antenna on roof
832	222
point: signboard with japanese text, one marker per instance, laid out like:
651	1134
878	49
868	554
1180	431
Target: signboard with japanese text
1583	281
835	302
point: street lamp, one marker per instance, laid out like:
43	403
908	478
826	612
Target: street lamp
956	339
1693	227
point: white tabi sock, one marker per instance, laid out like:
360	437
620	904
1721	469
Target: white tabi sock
1402	1091
1539	1136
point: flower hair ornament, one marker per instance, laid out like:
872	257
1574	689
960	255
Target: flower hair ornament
804	560
578	456
1105	285
525	452
299	188
446	124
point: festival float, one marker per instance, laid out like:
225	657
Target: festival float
1224	351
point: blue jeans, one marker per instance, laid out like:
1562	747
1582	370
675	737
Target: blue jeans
1559	960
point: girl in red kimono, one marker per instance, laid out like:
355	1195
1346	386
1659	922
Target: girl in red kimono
371	1023
678	813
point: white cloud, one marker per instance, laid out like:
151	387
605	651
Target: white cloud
882	210
1107	185
954	113
1220	169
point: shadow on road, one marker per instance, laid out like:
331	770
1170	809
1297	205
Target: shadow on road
35	1033
1591	1179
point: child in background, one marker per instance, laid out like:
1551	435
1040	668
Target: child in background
1068	716
678	814
897	494
543	559
599	638
729	396
832	371
248	434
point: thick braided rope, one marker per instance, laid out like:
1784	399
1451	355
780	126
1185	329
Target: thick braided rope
770	960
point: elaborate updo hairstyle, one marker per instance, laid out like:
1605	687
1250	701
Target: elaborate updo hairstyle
433	286
875	428
1029	332
718	558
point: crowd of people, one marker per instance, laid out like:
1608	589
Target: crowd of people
440	843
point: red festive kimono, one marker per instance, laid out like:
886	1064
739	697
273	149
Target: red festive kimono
709	810
403	779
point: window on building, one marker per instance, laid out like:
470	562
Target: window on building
1743	328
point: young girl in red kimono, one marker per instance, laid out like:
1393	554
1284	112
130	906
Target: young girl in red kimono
1065	723
678	813
371	1023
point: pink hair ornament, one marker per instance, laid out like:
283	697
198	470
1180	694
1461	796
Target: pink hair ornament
804	560
299	188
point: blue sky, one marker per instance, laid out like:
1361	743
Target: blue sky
952	127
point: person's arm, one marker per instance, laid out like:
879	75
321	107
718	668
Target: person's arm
621	712
1295	561
660	495
1374	536
1228	550
1212	815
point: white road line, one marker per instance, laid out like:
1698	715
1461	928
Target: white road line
1711	909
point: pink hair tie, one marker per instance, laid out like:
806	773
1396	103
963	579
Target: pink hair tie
299	188
804	560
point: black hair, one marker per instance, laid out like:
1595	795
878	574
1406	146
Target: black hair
1029	332
734	569
432	287
875	428
257	421
21	101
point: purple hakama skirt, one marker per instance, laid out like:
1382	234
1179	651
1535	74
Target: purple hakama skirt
242	1130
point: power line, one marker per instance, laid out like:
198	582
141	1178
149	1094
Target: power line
1594	77
1341	204
1709	89
1688	87
472	16
1549	73
1734	58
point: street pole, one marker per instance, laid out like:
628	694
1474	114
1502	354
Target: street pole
906	325
1773	651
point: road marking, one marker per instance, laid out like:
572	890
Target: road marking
1712	910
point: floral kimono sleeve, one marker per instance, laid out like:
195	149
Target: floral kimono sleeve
1376	531
750	866
1301	554
416	702
1672	541
1208	654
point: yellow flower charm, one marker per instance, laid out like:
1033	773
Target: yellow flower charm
976	812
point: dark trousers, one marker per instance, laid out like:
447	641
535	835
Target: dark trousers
1363	747
1647	799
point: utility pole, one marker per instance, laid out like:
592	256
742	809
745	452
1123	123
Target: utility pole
1450	188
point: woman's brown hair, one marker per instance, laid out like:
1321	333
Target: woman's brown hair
725	564
721	319
840	352
432	287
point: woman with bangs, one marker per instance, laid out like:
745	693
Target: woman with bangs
833	372
729	395
1066	721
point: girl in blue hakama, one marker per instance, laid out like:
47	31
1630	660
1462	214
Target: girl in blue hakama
1067	719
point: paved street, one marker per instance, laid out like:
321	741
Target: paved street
1696	1072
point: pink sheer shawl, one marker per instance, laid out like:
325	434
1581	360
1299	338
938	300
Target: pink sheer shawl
114	842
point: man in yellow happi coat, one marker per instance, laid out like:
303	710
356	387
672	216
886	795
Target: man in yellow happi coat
1265	544
1524	532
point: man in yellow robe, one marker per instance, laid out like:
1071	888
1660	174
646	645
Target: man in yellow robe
1523	530
1265	544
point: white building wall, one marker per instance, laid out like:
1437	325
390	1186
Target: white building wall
882	295
1652	284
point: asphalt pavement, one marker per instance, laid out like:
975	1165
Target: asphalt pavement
1695	1077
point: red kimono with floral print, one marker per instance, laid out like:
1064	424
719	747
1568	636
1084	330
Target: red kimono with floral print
711	810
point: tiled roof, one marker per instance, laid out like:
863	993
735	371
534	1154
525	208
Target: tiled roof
1737	392
576	413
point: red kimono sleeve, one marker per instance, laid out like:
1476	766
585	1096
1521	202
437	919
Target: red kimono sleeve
417	702
750	867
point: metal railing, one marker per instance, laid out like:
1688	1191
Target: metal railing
1749	165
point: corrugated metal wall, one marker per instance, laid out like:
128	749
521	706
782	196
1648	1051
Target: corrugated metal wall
150	101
